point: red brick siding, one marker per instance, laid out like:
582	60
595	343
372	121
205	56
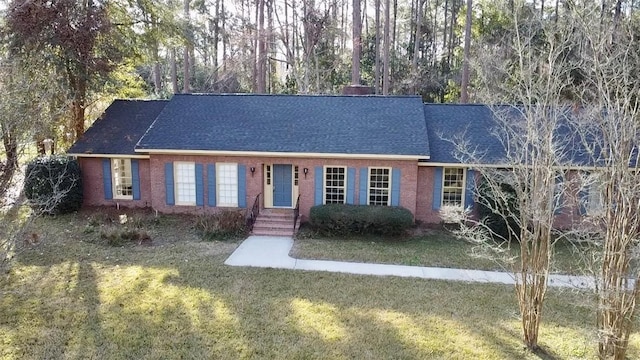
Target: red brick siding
93	185
408	172
416	184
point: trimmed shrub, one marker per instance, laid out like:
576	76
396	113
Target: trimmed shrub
491	211
225	224
53	184
342	219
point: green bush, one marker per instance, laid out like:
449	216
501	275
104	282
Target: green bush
493	210
225	224
53	184
341	219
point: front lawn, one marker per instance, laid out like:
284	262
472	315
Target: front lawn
434	248
74	296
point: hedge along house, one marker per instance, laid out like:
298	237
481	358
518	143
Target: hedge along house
202	153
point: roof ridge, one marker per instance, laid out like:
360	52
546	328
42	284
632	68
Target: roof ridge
300	95
141	100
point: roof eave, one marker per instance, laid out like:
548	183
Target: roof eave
284	154
120	156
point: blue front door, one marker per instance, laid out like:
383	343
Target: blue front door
282	185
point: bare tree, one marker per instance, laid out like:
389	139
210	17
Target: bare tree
521	186
61	181
611	134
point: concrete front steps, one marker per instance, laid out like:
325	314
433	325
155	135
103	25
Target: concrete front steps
274	222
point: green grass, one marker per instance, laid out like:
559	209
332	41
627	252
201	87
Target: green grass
73	296
435	248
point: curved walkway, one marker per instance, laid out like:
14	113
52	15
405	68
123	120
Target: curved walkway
273	252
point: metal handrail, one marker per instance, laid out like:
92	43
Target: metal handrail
255	211
296	212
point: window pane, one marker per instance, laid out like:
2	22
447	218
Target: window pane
452	187
334	185
227	180
185	178
122	182
379	186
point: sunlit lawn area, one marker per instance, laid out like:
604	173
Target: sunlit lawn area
434	248
73	296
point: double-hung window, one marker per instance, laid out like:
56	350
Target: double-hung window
227	184
122	179
335	181
379	186
185	183
453	187
595	199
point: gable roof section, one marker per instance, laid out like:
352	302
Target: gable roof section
342	125
118	128
451	123
476	127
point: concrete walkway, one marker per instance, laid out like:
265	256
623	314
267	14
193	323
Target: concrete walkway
273	252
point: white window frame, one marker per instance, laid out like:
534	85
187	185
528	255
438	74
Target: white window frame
595	195
122	178
227	182
462	187
388	189
343	187
181	182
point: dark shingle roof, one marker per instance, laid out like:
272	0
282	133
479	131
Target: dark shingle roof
119	127
475	126
384	125
451	123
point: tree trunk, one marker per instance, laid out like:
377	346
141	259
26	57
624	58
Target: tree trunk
394	34
225	37
357	44
186	59
376	85
416	47
157	78
464	86
387	66
216	41
262	56
174	71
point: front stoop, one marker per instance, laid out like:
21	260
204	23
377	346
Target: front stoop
274	222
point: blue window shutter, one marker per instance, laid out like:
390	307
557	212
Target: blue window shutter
211	184
395	187
351	185
583	199
437	188
242	186
168	183
199	186
106	179
318	185
135	178
364	182
469	189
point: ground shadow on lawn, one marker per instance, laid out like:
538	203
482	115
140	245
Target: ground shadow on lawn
178	299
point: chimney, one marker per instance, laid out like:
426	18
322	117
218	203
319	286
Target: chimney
357	90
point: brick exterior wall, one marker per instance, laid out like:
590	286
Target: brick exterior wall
255	182
416	185
93	185
424	200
